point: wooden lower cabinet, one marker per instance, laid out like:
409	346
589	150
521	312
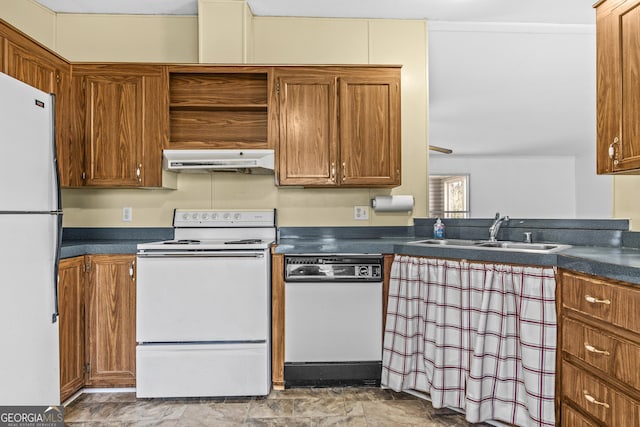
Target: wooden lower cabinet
573	418
71	286
97	304
111	314
599	349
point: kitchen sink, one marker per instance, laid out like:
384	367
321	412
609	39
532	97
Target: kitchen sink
498	245
446	242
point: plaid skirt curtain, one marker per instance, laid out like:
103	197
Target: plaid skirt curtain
479	337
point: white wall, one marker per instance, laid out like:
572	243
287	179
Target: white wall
529	187
594	193
517	104
512	89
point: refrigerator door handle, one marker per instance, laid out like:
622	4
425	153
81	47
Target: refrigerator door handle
56	167
56	267
58	211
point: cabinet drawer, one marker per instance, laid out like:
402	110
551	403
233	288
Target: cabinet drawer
573	418
613	356
615	304
598	399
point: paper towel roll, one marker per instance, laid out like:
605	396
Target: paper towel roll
392	203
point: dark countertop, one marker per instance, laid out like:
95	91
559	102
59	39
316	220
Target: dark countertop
75	248
89	241
618	263
614	263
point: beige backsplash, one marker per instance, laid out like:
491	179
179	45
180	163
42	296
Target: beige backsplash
296	206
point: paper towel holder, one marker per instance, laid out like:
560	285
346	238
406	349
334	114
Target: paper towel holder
396	203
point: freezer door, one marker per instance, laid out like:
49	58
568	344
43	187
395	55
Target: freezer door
29	360
28	176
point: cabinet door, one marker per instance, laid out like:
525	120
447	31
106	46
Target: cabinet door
120	115
71	285
113	130
370	130
307	128
111	302
618	86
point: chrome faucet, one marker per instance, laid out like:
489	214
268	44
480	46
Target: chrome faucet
495	227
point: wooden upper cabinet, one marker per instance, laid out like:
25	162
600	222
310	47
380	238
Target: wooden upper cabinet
338	126
111	332
370	129
307	104
113	130
120	118
218	107
28	61
618	86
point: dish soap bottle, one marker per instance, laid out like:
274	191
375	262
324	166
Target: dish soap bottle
438	230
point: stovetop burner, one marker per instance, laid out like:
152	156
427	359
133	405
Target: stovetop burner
243	242
180	242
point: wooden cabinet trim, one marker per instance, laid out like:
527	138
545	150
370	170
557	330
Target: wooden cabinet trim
277	321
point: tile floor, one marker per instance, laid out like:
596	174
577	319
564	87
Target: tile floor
293	407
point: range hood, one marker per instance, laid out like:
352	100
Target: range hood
243	161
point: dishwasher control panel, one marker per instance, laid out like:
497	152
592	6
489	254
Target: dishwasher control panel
318	268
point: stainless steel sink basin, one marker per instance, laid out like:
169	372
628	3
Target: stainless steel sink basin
447	242
499	245
519	245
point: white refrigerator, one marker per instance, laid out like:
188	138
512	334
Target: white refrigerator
30	234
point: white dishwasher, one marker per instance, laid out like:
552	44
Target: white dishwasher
333	320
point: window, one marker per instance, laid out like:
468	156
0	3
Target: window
449	196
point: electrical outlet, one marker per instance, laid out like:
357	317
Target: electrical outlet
361	213
127	214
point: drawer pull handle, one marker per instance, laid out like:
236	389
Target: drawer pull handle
592	349
593	400
594	300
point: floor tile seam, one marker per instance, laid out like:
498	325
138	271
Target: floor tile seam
344	410
146	416
98	406
275	416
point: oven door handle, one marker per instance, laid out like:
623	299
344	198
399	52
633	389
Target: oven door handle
194	254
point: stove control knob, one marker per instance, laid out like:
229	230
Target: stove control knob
227	216
196	216
236	217
205	217
185	216
214	216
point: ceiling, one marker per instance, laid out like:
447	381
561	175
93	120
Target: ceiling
546	11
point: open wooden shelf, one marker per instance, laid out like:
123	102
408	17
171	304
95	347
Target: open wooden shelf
218	109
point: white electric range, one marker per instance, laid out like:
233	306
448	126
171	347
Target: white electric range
203	306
